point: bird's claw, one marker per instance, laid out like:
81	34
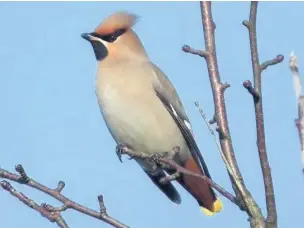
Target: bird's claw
119	149
155	158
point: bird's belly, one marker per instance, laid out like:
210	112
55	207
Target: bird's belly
144	129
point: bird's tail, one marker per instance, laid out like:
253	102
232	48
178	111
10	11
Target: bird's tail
217	207
200	189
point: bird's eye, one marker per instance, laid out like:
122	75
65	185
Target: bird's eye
113	36
119	32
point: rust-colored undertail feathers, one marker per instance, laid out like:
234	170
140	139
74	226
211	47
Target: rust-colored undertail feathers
200	189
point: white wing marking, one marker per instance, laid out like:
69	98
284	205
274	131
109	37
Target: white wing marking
188	125
174	112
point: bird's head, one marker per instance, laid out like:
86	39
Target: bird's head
114	39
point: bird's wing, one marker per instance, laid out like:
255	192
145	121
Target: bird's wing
169	97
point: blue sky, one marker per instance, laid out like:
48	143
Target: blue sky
50	121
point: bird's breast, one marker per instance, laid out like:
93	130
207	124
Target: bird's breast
136	117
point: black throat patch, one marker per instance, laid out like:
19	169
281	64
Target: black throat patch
99	49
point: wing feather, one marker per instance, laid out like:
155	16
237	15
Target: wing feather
169	97
195	152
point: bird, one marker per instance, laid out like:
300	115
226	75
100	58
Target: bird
143	111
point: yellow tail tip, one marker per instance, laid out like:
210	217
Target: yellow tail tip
217	207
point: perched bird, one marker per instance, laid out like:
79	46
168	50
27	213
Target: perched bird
142	109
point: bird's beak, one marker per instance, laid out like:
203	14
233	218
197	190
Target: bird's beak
86	36
99	46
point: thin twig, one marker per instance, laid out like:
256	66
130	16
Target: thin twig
167	160
255	94
293	65
230	171
203	115
276	60
48	211
271	220
188	49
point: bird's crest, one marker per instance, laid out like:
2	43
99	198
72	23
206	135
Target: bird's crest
119	20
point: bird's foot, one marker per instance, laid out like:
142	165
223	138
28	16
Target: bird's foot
123	149
156	159
171	154
119	151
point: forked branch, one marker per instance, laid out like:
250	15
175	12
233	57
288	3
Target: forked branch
53	214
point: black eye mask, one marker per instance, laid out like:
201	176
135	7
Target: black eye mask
110	37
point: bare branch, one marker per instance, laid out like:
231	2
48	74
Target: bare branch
276	60
213	120
169	178
221	116
255	94
188	49
225	86
43	210
271	220
218	92
209	127
300	101
48	211
167	160
60	186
